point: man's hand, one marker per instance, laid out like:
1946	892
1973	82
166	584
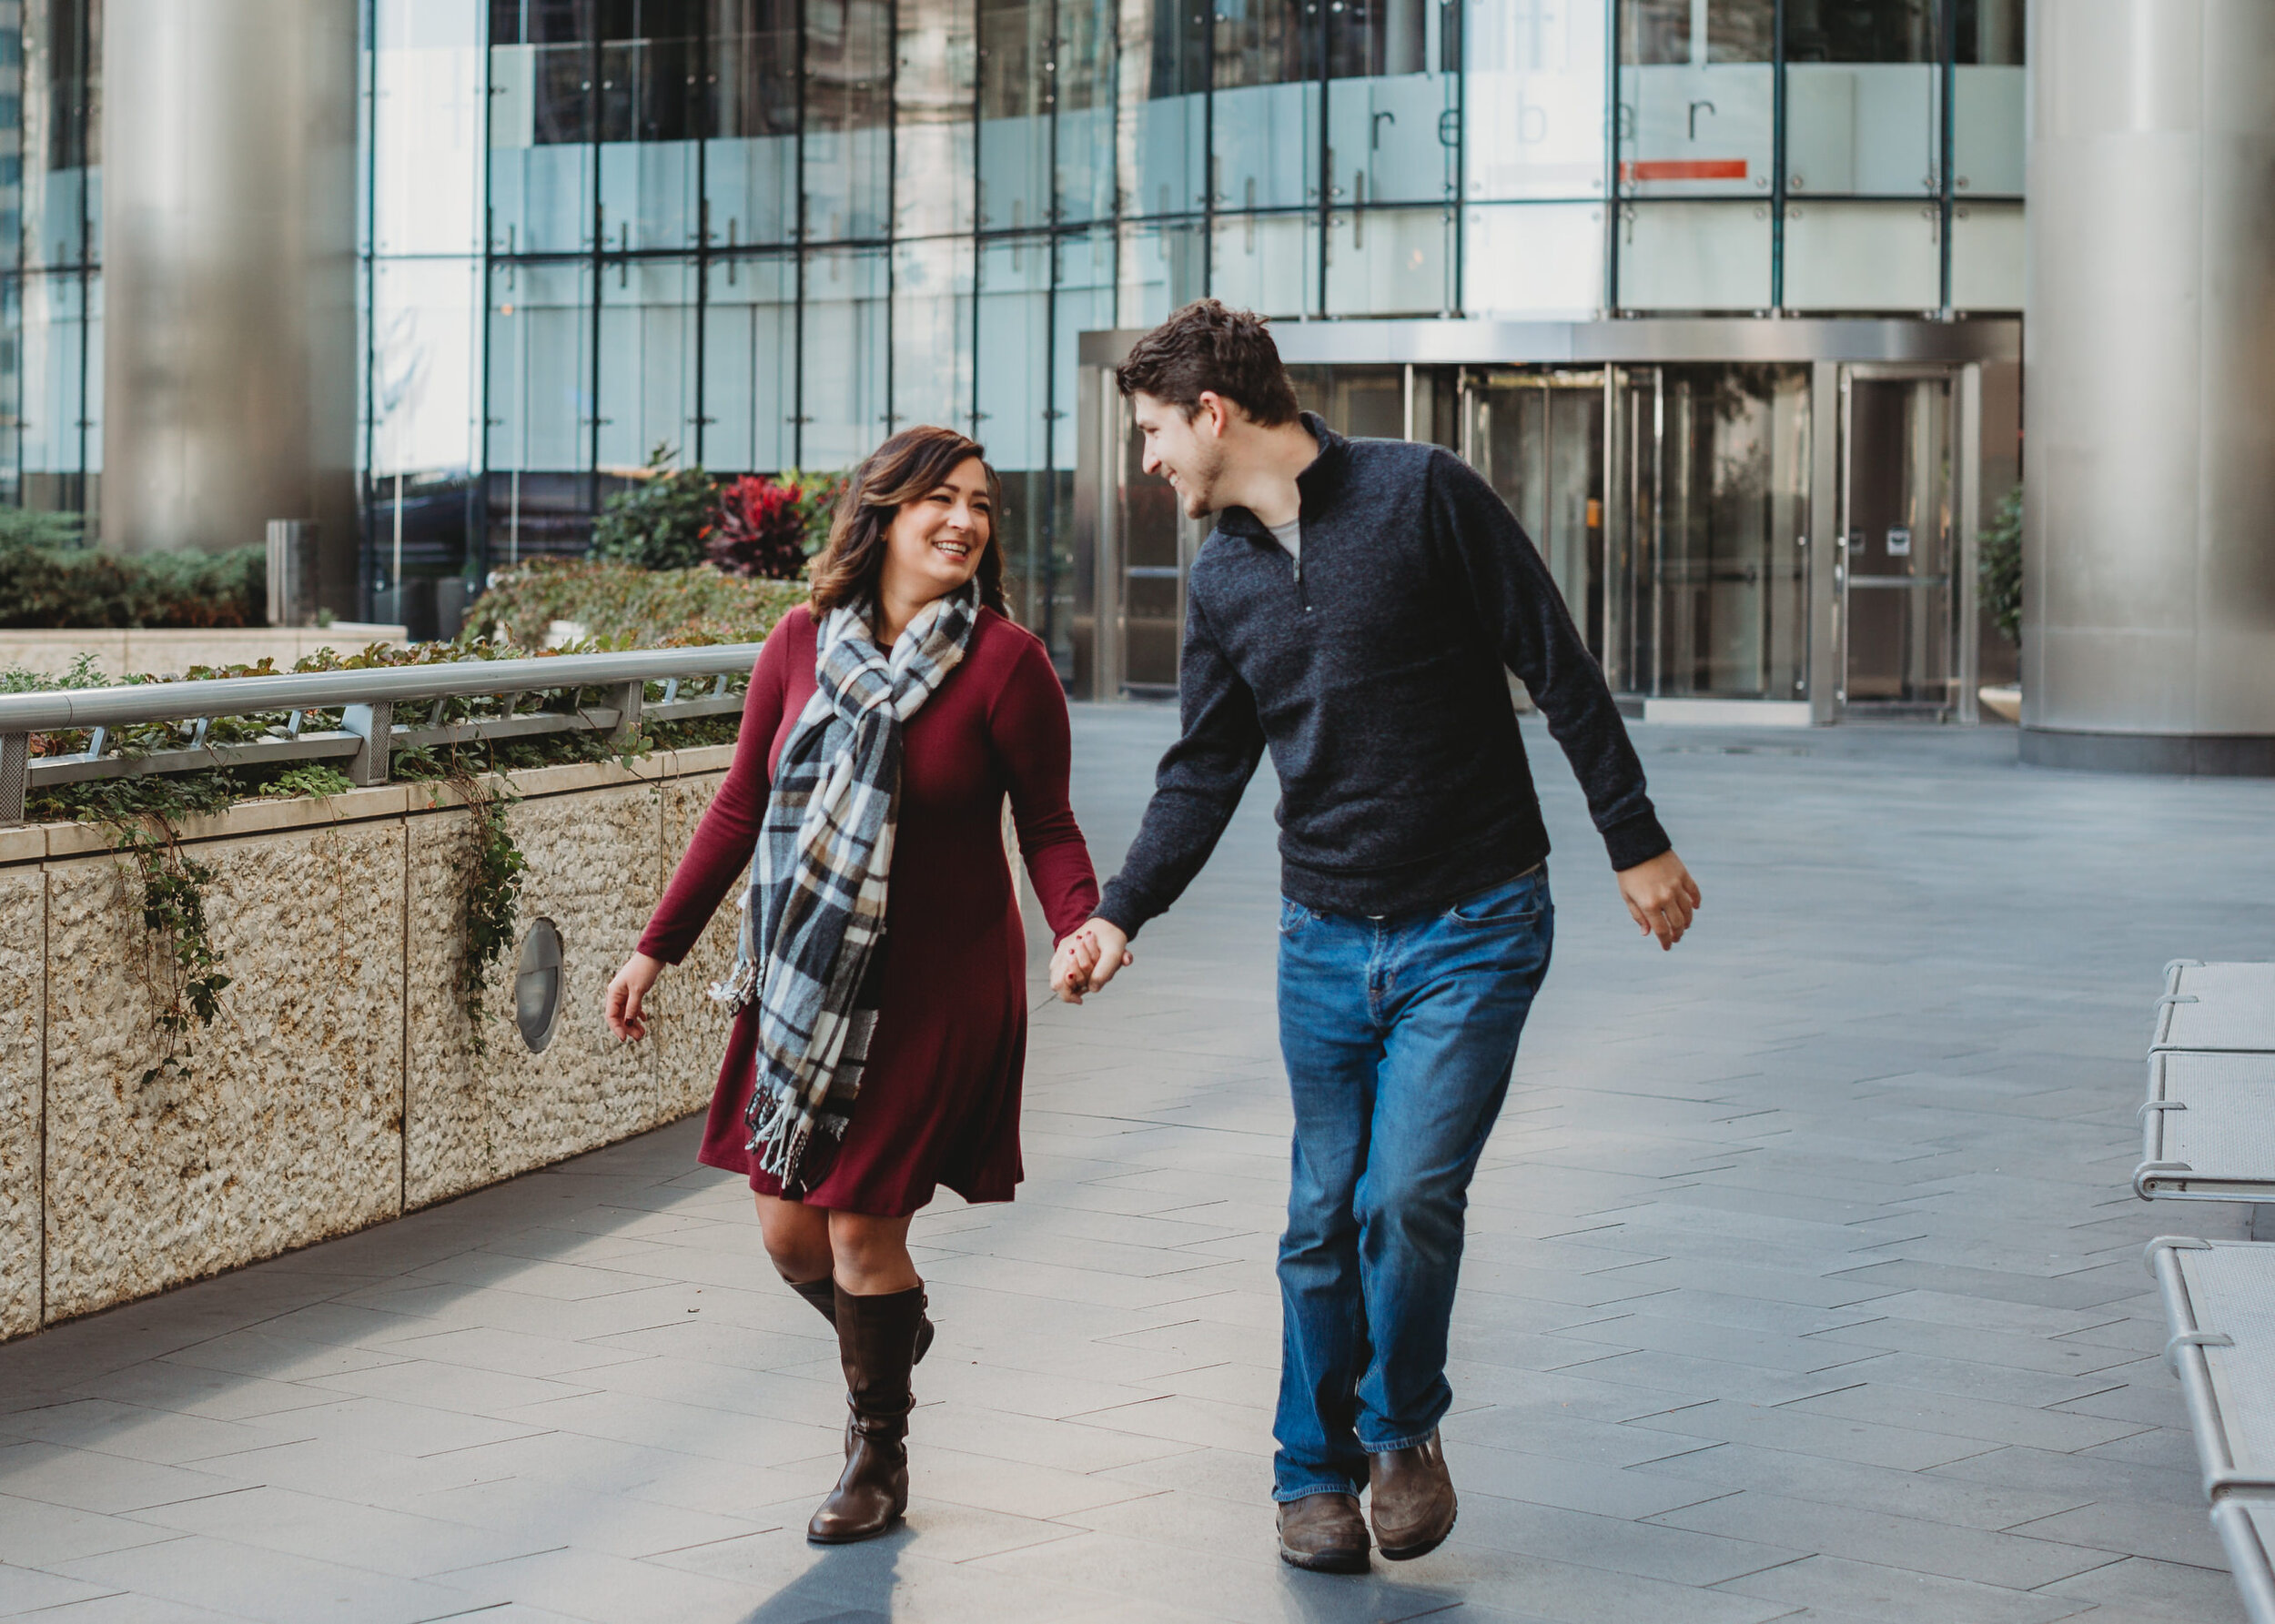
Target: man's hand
1660	897
627	1017
1091	955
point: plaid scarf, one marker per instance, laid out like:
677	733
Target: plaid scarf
814	913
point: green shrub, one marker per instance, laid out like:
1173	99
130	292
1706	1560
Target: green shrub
80	587
1998	567
661	523
621	606
29	526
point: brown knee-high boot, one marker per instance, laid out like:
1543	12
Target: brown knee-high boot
877	1342
822	1295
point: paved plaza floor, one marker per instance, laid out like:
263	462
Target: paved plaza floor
1802	1282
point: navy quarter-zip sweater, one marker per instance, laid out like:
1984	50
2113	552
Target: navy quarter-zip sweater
1372	669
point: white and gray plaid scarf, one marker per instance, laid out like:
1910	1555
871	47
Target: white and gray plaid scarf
814	913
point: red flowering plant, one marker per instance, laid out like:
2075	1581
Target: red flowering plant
758	532
767	529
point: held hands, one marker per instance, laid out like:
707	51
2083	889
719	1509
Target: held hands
1660	897
627	1017
1091	955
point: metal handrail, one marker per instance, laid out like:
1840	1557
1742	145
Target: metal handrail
324	690
368	734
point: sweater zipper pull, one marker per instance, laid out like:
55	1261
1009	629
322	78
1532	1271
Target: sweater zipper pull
1301	599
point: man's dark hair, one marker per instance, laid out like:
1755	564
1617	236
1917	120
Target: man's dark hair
1206	347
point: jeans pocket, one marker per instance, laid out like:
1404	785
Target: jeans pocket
1518	903
1293	917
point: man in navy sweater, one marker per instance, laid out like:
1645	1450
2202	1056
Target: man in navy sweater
1354	613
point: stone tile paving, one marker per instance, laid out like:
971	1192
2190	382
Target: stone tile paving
1803	1284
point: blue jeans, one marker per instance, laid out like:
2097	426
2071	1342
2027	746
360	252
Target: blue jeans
1398	1037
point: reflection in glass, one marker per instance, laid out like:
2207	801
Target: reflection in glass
1016	69
427	142
932	97
1161	134
1084	76
848	118
750	165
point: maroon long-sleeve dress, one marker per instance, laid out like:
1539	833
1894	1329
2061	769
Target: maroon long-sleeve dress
940	1094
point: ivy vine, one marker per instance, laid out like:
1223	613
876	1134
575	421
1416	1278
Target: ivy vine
494	873
139	818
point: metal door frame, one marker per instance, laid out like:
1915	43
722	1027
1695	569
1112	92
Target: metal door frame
1963	382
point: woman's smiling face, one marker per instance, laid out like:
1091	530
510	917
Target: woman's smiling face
935	543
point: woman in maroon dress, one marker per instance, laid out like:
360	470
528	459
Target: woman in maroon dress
904	691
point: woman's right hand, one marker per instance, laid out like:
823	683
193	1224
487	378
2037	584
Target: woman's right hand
627	995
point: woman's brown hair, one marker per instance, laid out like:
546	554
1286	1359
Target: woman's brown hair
906	468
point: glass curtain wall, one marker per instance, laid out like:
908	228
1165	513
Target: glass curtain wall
51	287
1865	155
760	234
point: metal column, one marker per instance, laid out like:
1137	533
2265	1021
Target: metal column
229	286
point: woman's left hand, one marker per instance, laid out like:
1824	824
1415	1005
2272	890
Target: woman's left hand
627	1016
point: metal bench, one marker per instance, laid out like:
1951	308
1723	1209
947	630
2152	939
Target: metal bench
2216	1007
2219	1302
2245	1522
2207	1128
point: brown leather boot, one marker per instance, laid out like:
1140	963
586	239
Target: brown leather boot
1412	1497
822	1295
1324	1533
877	1342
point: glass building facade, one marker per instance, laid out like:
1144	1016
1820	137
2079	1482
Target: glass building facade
762	234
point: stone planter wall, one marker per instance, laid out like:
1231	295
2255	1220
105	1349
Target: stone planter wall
171	652
342	1084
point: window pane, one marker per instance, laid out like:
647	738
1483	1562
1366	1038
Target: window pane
1873	129
1159	269
932	334
1860	31
751	167
1988	131
425	403
1863	257
848	118
750	365
1533	110
429	71
1267	263
1696	113
845	346
1990	32
1014	130
1697	257
932	153
1390	262
1085	82
647	363
1534	259
540	357
541	160
1163	121
1986	256
647	197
